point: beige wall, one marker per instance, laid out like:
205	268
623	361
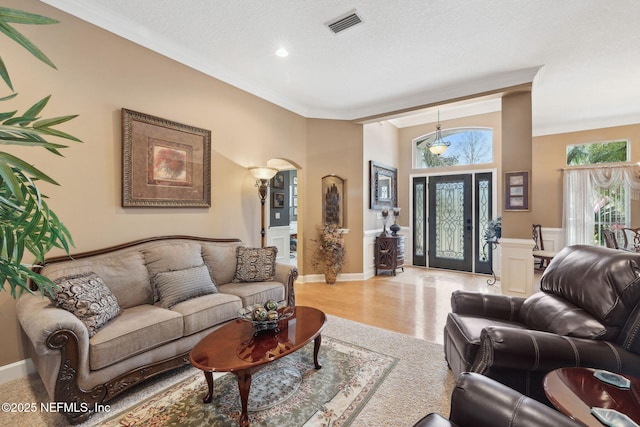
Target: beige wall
100	73
334	147
381	142
516	157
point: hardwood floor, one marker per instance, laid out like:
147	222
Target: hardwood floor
414	302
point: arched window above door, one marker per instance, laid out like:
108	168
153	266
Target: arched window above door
468	146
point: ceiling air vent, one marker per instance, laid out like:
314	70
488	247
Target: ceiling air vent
344	22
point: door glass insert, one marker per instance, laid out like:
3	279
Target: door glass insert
450	220
419	231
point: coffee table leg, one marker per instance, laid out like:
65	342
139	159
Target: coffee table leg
244	384
316	348
209	377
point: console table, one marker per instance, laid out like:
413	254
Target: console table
389	253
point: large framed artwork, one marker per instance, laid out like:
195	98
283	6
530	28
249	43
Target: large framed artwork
516	191
164	163
383	185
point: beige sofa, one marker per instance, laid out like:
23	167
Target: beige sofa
145	338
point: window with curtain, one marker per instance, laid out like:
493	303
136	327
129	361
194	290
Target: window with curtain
597	197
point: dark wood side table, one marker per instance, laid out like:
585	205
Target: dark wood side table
574	391
389	253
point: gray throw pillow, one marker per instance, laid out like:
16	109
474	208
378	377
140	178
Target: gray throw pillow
177	286
88	298
255	264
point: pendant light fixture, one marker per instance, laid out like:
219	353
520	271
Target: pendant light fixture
439	146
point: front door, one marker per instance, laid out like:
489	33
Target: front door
450	222
450	214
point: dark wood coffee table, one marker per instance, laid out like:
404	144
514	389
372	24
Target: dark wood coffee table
235	348
574	391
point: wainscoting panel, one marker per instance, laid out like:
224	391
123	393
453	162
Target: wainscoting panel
553	238
516	277
280	238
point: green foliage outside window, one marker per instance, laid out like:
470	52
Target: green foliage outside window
599	152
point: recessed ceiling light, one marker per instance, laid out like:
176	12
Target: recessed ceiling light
282	52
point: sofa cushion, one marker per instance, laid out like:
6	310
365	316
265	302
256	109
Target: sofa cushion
171	256
255	292
255	264
220	257
88	298
180	285
207	311
136	330
124	272
550	313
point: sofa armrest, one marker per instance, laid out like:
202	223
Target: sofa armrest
40	319
487	305
477	399
287	275
503	348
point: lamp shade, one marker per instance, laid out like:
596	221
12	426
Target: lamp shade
263	172
438	147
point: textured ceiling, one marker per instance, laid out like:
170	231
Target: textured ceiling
583	56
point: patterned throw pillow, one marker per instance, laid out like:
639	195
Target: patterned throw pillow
180	285
88	298
255	264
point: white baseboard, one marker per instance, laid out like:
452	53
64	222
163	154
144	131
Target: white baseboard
16	370
342	277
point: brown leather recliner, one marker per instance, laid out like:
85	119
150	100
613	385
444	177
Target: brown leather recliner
586	314
478	401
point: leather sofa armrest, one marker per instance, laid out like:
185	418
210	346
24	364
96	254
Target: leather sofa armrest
486	305
434	420
477	399
528	350
287	275
40	319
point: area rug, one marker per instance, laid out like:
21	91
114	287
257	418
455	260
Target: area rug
332	395
418	383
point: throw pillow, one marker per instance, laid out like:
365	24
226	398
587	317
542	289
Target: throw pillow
177	286
255	264
88	298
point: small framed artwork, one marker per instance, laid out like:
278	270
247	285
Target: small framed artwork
278	180
278	200
516	191
164	163
333	200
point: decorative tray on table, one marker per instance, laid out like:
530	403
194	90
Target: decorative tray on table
266	316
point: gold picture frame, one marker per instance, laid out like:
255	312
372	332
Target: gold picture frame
164	163
516	195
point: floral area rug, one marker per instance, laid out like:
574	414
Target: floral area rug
331	396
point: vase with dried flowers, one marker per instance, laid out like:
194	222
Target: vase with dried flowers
329	254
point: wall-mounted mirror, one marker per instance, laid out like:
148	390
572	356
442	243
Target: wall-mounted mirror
383	185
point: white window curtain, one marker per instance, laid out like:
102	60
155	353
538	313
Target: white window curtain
580	196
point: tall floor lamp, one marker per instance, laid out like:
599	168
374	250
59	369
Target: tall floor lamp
263	175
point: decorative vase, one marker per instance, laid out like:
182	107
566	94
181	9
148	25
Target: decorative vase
395	227
330	277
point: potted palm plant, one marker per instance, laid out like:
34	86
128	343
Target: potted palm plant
26	222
